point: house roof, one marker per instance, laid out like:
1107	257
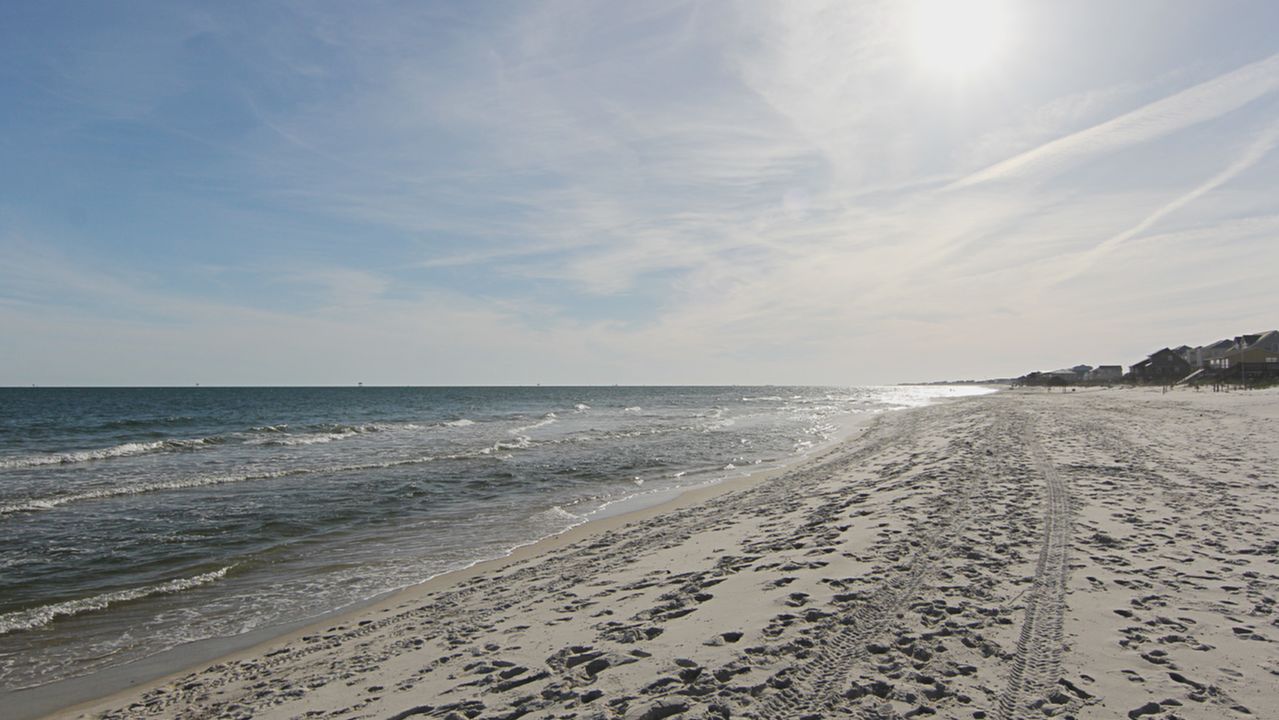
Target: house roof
1151	358
1250	354
1259	337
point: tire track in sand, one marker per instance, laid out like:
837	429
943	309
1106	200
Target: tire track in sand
816	687
1036	666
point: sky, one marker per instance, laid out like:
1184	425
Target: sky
508	193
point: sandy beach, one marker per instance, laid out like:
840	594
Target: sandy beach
1096	554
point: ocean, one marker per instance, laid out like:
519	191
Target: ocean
135	520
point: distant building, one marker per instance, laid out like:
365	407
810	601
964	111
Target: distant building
1105	373
1164	366
1064	375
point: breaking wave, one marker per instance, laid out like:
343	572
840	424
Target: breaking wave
115	451
306	439
547	419
45	614
282	436
269	435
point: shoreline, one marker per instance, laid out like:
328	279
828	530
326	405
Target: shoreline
1091	555
48	701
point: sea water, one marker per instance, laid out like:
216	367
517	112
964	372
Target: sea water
133	520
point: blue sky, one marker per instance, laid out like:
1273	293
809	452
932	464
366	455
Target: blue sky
657	192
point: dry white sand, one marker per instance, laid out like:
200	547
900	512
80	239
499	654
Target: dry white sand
1100	554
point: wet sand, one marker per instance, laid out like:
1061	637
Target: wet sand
1107	553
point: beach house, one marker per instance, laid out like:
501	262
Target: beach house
1162	366
1257	363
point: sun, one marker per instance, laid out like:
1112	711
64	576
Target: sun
959	38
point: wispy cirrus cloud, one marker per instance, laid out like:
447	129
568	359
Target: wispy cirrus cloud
1203	102
1255	152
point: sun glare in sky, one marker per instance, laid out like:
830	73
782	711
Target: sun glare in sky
959	39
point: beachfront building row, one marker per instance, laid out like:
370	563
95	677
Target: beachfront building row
1218	355
1253	356
1074	375
1245	357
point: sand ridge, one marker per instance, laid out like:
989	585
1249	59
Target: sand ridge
1027	554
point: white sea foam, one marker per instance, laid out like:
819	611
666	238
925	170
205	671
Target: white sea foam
45	614
581	407
608	435
556	520
522	442
281	437
634	410
115	451
460	422
559	512
307	439
283	427
719	424
547	419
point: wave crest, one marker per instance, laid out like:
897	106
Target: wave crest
115	451
45	614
